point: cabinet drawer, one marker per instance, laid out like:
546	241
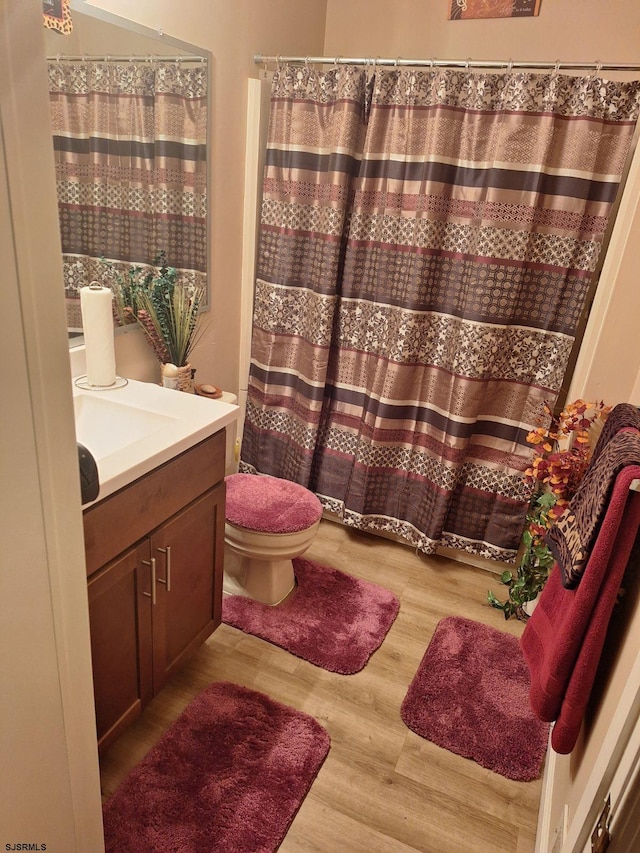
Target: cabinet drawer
123	518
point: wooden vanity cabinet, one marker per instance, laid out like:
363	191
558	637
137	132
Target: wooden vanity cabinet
158	595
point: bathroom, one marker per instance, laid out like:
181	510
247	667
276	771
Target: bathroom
49	617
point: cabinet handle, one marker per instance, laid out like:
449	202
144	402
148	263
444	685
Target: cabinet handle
152	594
167	581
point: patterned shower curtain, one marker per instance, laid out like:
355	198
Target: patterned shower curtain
130	152
427	243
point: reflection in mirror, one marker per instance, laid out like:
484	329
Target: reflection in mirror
129	135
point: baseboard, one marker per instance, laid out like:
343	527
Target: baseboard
544	842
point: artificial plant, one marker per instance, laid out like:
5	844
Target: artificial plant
564	449
166	309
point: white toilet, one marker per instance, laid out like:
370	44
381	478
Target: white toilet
269	522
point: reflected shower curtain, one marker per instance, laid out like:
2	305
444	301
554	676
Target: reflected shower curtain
131	165
427	243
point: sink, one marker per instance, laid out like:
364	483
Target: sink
132	429
105	426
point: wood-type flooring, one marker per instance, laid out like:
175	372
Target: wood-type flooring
382	789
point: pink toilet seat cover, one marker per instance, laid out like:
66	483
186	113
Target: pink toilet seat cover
270	504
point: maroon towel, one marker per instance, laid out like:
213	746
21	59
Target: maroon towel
573	535
563	639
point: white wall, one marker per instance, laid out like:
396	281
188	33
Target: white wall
49	785
576	30
134	357
608	367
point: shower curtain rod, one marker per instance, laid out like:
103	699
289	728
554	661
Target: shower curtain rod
262	59
107	57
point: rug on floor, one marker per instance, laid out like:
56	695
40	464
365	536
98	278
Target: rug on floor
229	775
470	695
331	619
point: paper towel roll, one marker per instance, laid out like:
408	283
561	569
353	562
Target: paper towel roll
97	323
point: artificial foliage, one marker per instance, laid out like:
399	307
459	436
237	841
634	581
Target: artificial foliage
536	560
166	309
563	452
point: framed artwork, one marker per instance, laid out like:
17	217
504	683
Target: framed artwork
57	15
461	10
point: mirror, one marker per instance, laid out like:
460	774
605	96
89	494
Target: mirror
130	139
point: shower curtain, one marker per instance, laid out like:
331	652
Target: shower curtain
427	242
131	165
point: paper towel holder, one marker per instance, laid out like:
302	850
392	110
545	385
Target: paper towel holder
83	382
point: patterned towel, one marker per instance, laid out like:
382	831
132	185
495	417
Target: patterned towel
572	538
621	416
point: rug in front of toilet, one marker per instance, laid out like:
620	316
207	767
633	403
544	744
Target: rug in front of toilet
331	619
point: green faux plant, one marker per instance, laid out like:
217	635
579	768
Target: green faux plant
165	309
535	564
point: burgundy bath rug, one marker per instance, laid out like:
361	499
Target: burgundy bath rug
331	619
470	695
229	775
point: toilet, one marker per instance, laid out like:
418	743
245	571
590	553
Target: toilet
269	521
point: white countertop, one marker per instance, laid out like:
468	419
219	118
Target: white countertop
131	430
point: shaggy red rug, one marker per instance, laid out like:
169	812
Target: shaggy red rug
331	619
470	695
229	775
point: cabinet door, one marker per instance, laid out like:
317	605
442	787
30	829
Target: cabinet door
120	621
188	550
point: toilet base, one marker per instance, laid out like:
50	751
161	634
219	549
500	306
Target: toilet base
258	565
268	581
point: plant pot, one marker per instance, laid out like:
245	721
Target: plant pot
530	606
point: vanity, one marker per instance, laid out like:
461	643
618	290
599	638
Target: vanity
154	539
